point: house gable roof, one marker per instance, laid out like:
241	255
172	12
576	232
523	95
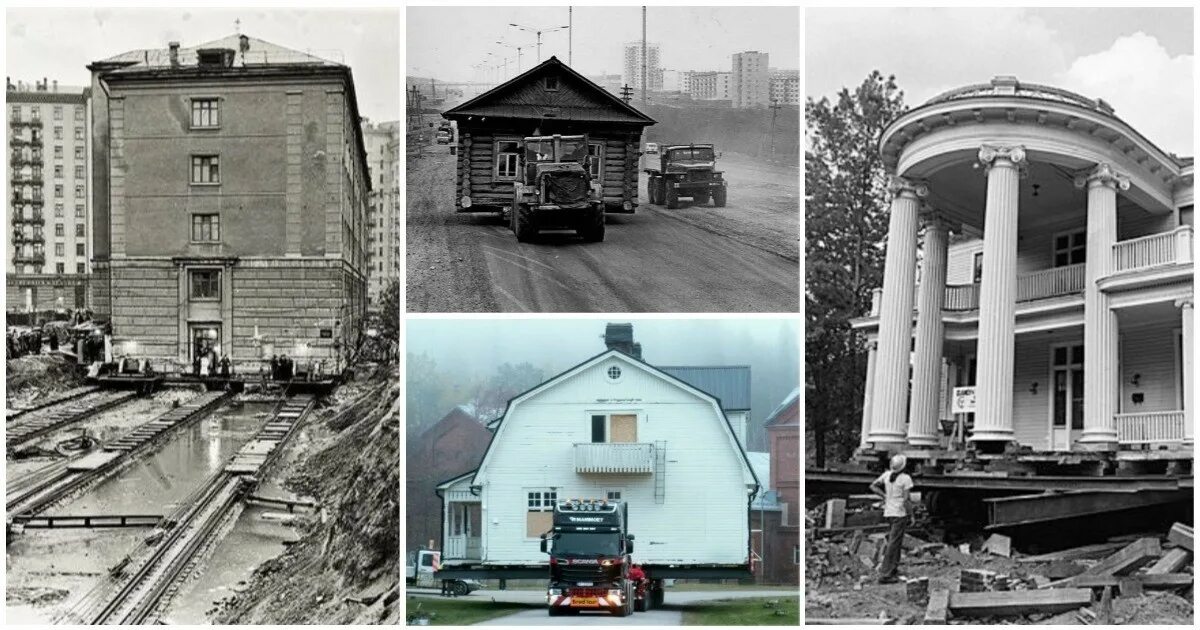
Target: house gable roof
650	369
576	99
729	384
259	53
777	416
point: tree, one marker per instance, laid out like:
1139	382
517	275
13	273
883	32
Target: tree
846	214
491	396
430	393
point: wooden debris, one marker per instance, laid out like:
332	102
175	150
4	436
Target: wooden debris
1086	616
1181	535
1147	581
938	608
998	544
849	621
1170	562
954	554
1105	615
1086	552
855	541
835	513
976	580
1123	562
1130	587
824	532
1019	602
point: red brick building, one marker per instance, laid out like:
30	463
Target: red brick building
782	535
452	446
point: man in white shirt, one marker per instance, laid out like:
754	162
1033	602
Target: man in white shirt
894	487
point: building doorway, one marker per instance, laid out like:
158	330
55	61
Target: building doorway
205	338
1066	400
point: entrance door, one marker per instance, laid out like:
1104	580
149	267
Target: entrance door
1066	401
205	337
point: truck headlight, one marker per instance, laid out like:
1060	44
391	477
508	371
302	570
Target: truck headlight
614	596
554	592
466	201
628	205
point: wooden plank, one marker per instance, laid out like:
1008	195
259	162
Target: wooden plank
1019	602
1127	560
1085	552
937	610
835	513
1147	581
998	544
848	621
1106	607
1170	562
1181	535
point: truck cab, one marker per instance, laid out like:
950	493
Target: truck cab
556	191
589	547
686	170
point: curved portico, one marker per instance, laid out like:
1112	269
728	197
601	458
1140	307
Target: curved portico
1064	197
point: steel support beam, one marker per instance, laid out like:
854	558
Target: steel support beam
817	480
1053	506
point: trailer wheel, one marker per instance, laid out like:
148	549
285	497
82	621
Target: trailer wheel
672	199
719	197
460	589
657	594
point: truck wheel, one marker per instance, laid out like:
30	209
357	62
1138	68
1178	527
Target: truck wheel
656	597
460	589
719	197
594	233
672	198
639	605
521	226
700	199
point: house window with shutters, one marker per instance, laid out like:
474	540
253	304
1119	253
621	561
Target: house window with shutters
539	511
508	160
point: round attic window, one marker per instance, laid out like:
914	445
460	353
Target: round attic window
614	373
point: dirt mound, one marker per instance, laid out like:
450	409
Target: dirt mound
35	376
1153	609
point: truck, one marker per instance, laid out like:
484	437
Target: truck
686	170
420	568
555	190
590	547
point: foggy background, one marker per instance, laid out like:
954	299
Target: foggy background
481	363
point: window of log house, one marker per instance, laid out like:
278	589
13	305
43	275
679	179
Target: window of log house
596	166
508	160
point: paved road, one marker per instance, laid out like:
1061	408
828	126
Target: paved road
741	258
671	614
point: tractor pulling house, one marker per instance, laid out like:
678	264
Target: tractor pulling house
549	99
1065	301
616	429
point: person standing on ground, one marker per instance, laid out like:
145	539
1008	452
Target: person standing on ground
894	487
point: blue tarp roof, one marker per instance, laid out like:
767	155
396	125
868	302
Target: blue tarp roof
731	384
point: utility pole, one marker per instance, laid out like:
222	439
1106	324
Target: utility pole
643	55
775	107
506	44
538	32
626	92
570	34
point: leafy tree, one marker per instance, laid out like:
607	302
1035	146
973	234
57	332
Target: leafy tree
846	214
491	396
430	393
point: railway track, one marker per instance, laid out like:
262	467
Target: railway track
38	423
138	593
12	414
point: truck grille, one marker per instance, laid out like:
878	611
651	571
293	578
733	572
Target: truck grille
699	175
583	572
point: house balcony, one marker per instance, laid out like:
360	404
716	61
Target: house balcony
1154	427
19	159
1154	250
33	122
29	259
1036	285
614	457
19	179
462	548
20	218
20	237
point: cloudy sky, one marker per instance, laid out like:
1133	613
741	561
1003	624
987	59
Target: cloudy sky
691	38
1139	60
58	43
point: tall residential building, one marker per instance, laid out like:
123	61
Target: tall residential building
750	81
672	80
383	206
230	189
710	86
47	209
633	67
785	87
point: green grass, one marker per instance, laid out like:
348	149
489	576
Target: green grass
456	612
745	612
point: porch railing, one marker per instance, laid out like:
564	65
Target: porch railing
614	457
462	547
962	297
1150	427
1036	285
1153	250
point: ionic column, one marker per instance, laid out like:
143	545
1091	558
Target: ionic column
890	398
927	361
1101	383
998	296
868	392
1189	394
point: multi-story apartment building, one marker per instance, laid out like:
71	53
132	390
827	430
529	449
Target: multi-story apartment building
47	209
383	206
633	67
1064	307
785	87
750	80
710	86
230	195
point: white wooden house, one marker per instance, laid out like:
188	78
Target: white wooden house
617	428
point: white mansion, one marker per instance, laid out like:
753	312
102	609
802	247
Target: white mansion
1065	297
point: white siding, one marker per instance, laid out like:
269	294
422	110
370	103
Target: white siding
959	261
1134	222
1149	351
1031	412
703	518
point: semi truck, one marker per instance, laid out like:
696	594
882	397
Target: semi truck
590	547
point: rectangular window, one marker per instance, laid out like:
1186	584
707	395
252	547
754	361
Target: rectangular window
58	209
79	133
551	84
78	229
539	514
795	554
977	267
596	161
508	159
79	249
78	153
206	227
58	191
598	428
206	169
58	131
1070	248
205	113
36	112
58	230
613	495
58	171
79	210
79	191
58	113
60	268
16	113
78	172
59	250
206	284
78	113
79	268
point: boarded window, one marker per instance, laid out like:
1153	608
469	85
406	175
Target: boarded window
539	514
538	523
596	161
508	159
623	428
598	428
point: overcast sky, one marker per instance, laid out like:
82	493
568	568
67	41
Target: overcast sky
477	346
59	43
691	38
1139	60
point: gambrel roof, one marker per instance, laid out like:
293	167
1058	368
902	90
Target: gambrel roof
747	468
575	98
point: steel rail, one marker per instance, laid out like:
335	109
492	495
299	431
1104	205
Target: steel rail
82	391
15	437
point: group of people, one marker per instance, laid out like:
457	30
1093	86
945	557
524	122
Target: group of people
210	364
283	368
22	340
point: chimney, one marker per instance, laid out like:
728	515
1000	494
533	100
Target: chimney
173	48
10	86
620	337
45	83
55	90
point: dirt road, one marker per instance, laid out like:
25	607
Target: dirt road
741	258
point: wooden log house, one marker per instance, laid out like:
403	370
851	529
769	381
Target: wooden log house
549	99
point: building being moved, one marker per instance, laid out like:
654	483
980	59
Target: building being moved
230	189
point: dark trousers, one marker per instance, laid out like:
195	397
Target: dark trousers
898	525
